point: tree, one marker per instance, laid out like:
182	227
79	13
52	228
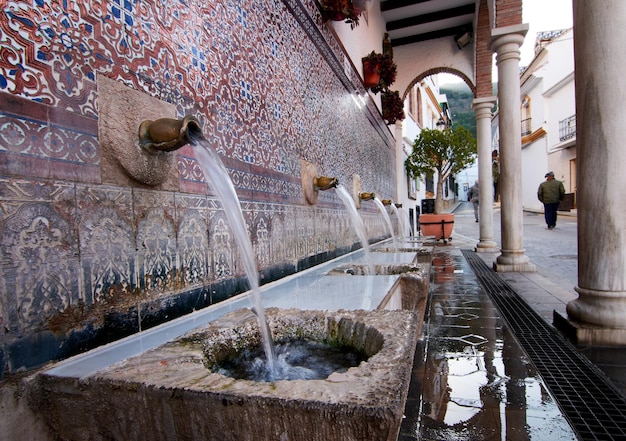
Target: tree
447	151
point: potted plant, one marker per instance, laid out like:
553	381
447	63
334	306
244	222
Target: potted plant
379	71
393	106
340	10
447	152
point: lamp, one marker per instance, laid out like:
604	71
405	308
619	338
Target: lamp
441	123
463	39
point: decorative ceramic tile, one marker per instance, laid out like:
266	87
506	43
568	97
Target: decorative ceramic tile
221	246
154	214
193	248
38	252
267	82
44	142
107	242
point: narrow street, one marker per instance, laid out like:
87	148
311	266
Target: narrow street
554	252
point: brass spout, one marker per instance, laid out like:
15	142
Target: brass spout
168	134
386	202
324	182
367	196
398	205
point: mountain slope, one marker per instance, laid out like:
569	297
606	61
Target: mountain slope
460	101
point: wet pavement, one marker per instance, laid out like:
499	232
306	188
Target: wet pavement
474	380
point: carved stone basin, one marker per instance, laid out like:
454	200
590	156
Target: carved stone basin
361	269
410	291
170	393
423	253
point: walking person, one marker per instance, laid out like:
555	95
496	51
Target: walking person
551	192
473	195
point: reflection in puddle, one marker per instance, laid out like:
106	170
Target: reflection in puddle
476	382
465	394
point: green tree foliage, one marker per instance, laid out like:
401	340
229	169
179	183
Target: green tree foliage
447	151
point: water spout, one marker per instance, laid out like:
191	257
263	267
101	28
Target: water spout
168	134
325	183
386	202
365	196
312	182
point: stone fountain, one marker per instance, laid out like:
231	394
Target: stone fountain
173	389
170	392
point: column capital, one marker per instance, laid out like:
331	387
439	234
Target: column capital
508	38
483	106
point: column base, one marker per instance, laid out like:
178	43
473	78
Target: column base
587	334
513	261
486	246
514	268
604	309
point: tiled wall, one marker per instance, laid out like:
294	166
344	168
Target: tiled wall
86	259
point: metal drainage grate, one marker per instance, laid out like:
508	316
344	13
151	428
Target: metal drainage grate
594	407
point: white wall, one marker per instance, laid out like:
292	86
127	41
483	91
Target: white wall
364	38
408	132
442	52
534	155
549	82
466	179
560	99
534	168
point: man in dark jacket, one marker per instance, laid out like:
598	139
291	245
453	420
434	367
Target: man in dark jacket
551	193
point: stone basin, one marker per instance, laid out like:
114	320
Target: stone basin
423	254
169	393
362	269
410	290
420	264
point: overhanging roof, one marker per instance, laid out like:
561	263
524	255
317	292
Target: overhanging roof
412	21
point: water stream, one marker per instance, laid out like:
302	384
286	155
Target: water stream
297	360
381	208
357	222
401	225
215	172
273	367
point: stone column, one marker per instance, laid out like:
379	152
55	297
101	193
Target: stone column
505	42
482	107
601	159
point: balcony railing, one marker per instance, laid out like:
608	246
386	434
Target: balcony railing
526	126
567	128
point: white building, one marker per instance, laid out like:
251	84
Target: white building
466	179
548	118
424	108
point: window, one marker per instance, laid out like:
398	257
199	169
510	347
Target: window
526	118
430	184
567	128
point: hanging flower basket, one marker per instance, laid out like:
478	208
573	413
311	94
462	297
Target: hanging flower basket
393	106
379	71
340	10
371	73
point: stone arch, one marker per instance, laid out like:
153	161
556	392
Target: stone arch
438	70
